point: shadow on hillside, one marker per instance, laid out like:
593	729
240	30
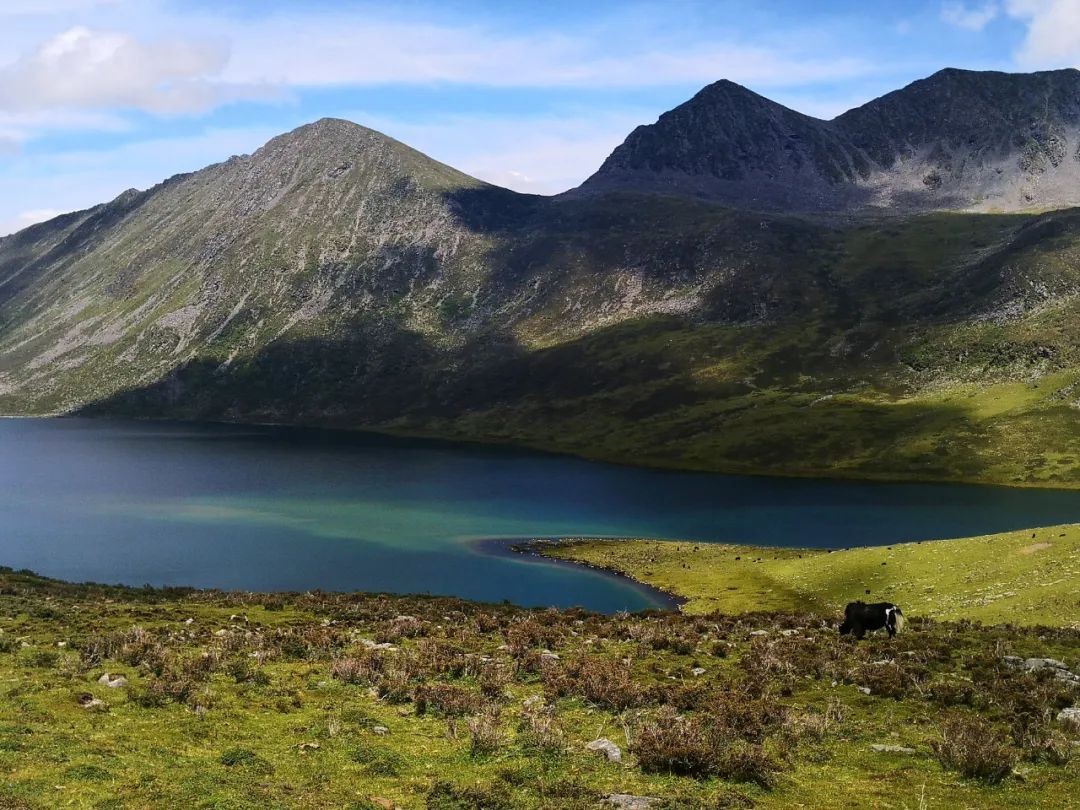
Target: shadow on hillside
582	396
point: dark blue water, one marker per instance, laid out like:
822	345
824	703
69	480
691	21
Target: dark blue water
266	508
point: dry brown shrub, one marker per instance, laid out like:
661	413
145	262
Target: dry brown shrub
447	699
605	682
975	748
485	732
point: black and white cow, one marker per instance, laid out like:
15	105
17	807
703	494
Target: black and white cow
860	617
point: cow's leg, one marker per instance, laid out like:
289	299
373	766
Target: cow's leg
860	631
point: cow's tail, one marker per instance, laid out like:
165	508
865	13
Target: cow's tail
899	620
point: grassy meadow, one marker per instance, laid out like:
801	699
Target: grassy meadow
371	702
1026	577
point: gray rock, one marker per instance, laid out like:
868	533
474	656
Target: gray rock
1032	664
113	683
380	731
610	750
627	801
91	703
697	671
1070	718
1058	668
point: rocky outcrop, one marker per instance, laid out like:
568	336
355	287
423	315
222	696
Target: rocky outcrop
1057	668
957	140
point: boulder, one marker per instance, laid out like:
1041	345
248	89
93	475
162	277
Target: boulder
380	731
91	703
113	683
604	746
1070	718
627	801
1058	668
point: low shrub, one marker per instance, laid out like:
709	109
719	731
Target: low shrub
447	699
604	682
446	796
975	748
539	730
701	747
672	743
243	758
485	732
378	761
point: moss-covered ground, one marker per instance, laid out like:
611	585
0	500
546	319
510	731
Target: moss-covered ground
365	701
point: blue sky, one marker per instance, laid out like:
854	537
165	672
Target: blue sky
97	96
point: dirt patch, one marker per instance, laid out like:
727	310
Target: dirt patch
1034	547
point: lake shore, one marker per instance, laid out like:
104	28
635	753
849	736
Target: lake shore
1021	577
537	550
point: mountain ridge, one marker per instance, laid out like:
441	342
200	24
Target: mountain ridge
946	142
338	277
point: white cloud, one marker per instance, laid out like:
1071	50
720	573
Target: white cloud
970	18
1053	32
86	68
342	50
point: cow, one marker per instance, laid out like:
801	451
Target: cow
860	617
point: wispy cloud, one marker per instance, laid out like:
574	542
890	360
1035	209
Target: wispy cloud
971	18
336	50
1053	32
85	68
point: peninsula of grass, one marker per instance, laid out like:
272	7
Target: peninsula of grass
1025	577
113	697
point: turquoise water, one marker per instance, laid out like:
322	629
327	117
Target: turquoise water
269	508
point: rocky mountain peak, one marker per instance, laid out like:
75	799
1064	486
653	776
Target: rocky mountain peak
958	139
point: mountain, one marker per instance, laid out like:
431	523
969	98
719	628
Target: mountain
958	140
338	277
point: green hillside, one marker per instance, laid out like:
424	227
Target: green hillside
1023	578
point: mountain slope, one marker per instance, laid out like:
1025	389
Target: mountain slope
339	277
956	140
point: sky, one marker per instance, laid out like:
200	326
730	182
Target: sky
97	96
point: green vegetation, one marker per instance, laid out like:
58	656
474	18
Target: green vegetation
366	701
1023	578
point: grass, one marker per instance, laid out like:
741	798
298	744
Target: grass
285	701
1026	577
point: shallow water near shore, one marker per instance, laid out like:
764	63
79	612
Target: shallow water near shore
275	508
